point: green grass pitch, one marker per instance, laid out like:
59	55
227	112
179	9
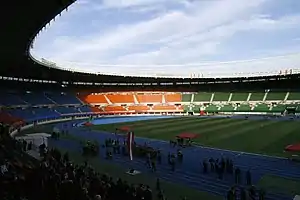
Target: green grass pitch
256	136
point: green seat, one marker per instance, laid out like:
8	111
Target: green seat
261	108
239	96
211	108
202	97
275	96
293	96
243	108
186	98
227	108
257	96
278	108
221	96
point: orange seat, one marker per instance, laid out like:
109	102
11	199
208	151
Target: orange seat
149	98
164	107
138	108
173	97
114	109
93	98
120	98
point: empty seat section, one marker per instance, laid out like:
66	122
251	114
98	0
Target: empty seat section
8	99
120	98
239	96
43	113
257	96
196	108
172	98
261	108
211	108
186	97
149	98
278	108
202	96
164	107
138	108
243	108
66	110
34	113
114	109
85	109
96	109
277	96
227	108
294	96
8	118
94	98
221	96
187	108
36	99
63	98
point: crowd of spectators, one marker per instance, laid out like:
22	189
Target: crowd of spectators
56	177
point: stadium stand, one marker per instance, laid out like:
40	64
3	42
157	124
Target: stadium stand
33	106
62	98
257	96
221	96
149	98
93	98
120	98
173	98
275	96
293	96
187	98
239	96
202	97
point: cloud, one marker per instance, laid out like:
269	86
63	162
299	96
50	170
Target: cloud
185	33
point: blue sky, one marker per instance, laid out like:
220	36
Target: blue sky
174	37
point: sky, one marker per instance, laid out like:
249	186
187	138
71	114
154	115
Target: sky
174	38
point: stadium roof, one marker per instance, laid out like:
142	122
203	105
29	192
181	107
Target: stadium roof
22	21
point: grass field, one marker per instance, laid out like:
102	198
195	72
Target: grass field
256	136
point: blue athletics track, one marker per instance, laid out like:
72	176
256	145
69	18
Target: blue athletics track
190	171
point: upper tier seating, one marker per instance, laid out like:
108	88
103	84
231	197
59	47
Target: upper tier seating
255	96
36	99
294	96
173	98
120	98
149	98
276	96
186	97
239	96
94	98
221	96
8	99
202	97
63	98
